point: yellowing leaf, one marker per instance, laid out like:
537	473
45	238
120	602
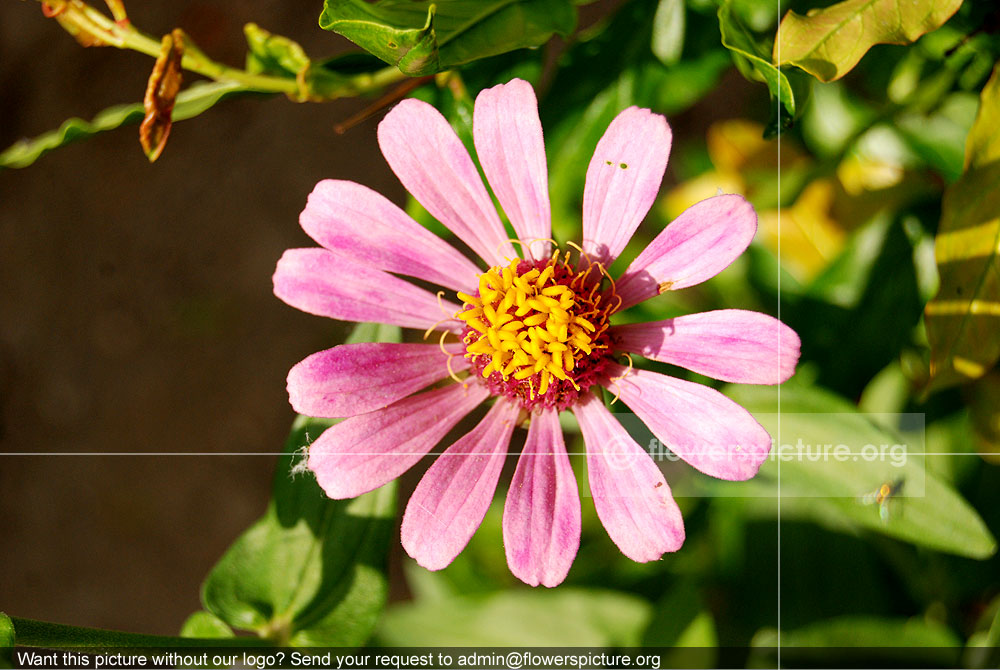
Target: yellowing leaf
963	320
828	42
806	235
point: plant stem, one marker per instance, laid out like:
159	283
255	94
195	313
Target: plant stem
123	35
32	633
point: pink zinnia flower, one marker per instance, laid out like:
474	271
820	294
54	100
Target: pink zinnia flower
532	333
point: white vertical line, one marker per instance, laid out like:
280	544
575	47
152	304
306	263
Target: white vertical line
778	443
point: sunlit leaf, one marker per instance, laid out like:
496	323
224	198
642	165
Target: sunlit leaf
6	641
191	102
668	31
565	617
805	236
311	572
963	320
927	512
274	54
828	42
747	48
421	37
205	625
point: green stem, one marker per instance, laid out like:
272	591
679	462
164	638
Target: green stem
32	633
126	36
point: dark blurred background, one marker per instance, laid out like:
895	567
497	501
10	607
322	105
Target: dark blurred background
136	314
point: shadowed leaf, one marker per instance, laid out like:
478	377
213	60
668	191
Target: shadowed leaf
752	57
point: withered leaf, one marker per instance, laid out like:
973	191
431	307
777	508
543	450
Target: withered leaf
161	93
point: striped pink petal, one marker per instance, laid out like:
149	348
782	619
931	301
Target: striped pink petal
453	496
354	220
699	424
427	156
632	498
733	345
697	245
321	282
354	379
622	181
541	519
508	137
367	451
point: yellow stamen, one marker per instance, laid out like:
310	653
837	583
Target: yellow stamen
536	326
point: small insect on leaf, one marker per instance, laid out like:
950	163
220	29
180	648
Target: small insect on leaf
161	93
881	497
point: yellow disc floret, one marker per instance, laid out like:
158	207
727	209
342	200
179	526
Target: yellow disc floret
532	322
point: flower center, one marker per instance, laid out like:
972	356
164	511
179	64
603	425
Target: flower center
537	330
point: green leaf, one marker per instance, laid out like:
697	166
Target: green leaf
752	57
421	37
681	619
668	31
964	318
204	624
565	617
6	641
191	102
915	641
274	54
828	42
375	332
927	511
939	138
311	572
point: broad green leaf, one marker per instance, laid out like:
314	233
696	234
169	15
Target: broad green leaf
204	624
828	42
752	57
421	37
963	320
915	641
668	31
191	102
519	618
311	572
928	511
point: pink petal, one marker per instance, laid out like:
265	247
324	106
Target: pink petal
354	220
697	245
541	519
633	500
508	137
733	345
622	181
354	379
427	156
367	451
320	282
699	424
451	499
